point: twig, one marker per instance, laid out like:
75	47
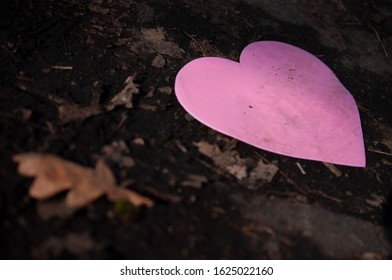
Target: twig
58	68
300	168
288	179
340	5
324	195
379	40
333	169
375	32
379	152
61	67
197	42
43	95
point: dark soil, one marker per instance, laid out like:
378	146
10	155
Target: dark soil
80	52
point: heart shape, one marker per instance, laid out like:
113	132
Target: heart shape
279	98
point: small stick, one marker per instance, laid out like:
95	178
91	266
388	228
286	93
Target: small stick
375	32
322	194
300	168
379	40
333	169
197	43
61	67
379	152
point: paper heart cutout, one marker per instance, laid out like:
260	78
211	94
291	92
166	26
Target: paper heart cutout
278	98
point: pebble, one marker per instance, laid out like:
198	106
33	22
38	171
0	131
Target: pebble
158	61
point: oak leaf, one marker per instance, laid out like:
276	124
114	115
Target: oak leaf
54	175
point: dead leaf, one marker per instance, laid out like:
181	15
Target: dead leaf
69	111
153	41
54	175
148	107
125	96
166	90
94	7
90	185
154	35
263	171
158	61
116	152
21	113
118	194
375	201
194	181
229	160
73	112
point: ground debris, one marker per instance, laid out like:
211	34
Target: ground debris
158	61
69	111
376	201
166	90
263	171
96	8
300	168
139	141
84	185
116	152
335	171
153	40
57	67
194	181
74	243
230	161
22	114
125	96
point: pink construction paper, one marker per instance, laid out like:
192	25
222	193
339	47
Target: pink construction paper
278	98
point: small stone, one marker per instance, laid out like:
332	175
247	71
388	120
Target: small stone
138	141
194	181
158	61
301	198
166	90
127	162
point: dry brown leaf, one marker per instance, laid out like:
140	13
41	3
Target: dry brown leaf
125	96
116	152
229	160
263	171
194	181
69	111
54	175
73	112
154	41
96	8
118	194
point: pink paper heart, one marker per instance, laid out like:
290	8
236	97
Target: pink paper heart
278	98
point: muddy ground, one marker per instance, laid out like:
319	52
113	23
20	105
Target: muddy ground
63	59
